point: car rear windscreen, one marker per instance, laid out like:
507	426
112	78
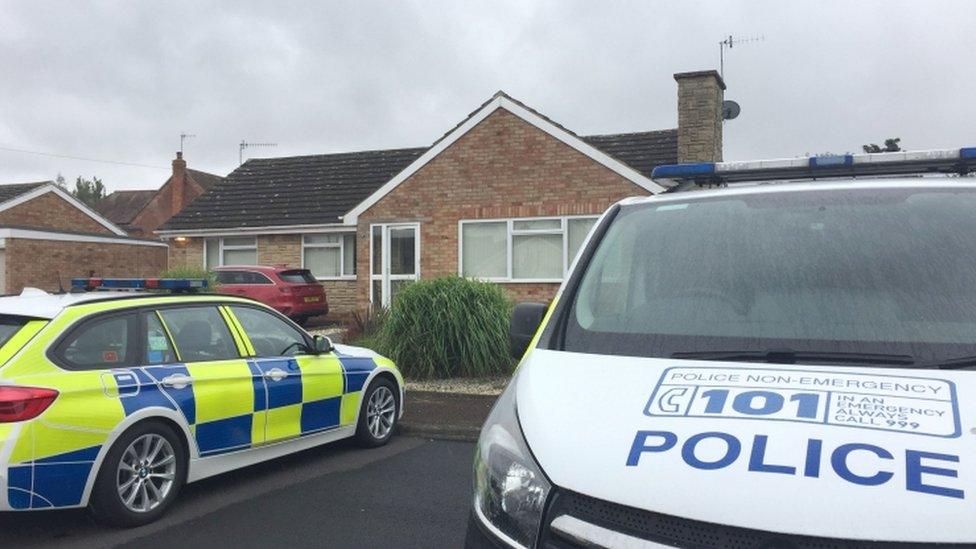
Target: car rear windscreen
298	276
871	270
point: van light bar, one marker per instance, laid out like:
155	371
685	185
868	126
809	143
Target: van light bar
948	161
173	284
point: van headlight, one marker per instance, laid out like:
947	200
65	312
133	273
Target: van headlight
510	489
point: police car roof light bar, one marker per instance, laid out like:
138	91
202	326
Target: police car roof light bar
171	284
945	161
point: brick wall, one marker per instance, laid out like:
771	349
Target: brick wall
50	211
275	249
700	96
502	168
38	263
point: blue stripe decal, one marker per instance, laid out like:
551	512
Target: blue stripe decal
287	391
260	394
60	484
320	414
147	393
85	454
182	397
19	480
355	371
222	434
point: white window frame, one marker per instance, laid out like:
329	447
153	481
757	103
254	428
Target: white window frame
222	247
512	232
385	277
342	253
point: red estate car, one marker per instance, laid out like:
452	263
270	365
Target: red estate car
293	292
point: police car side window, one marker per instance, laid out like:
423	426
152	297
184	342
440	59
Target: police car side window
158	348
99	344
199	333
269	335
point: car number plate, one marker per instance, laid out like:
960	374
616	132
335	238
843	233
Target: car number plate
311	299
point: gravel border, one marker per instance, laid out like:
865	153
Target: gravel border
462	386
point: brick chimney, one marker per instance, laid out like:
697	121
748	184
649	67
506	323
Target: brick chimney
700	97
179	190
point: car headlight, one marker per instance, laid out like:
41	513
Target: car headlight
510	489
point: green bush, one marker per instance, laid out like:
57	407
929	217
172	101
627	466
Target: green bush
192	272
448	327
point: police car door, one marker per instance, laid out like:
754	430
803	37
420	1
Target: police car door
303	391
212	369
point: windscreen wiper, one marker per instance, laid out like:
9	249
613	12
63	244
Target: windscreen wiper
789	356
954	363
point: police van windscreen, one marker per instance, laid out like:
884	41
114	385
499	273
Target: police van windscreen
808	276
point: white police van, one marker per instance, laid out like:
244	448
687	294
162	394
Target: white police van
753	365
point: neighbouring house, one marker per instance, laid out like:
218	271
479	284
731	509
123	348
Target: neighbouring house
507	195
140	213
47	236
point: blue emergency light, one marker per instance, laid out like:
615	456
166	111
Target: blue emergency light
171	284
947	161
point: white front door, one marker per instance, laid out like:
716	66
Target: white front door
394	259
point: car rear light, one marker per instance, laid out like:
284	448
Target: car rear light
23	403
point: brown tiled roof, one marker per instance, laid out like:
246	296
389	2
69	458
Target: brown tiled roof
121	207
204	179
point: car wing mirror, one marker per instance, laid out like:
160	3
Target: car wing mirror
321	345
526	319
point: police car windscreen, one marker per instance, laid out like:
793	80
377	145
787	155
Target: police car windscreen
889	271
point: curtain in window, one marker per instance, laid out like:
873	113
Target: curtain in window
485	249
578	229
349	254
537	256
323	262
213	253
240	257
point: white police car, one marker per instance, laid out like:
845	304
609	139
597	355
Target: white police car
783	365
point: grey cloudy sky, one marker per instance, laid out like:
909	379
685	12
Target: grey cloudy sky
121	80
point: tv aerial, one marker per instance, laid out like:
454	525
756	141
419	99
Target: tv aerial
183	137
728	43
247	145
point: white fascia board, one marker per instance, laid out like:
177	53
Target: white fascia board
52	188
31	234
248	231
532	118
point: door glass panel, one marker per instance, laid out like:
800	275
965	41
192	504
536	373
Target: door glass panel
396	286
200	334
158	348
377	250
403	251
269	335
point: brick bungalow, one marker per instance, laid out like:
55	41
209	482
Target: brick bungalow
507	195
48	236
140	213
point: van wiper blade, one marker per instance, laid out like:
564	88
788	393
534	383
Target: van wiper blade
788	356
954	363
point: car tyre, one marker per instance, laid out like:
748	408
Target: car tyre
150	452
378	414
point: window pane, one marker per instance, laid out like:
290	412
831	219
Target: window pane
100	344
256	278
396	286
212	258
537	256
240	241
200	334
484	249
376	292
323	262
377	244
403	251
158	348
537	225
240	257
349	254
578	229
311	239
269	335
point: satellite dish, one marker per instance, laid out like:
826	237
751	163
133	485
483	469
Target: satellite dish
730	110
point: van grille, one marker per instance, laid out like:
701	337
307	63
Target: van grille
680	532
